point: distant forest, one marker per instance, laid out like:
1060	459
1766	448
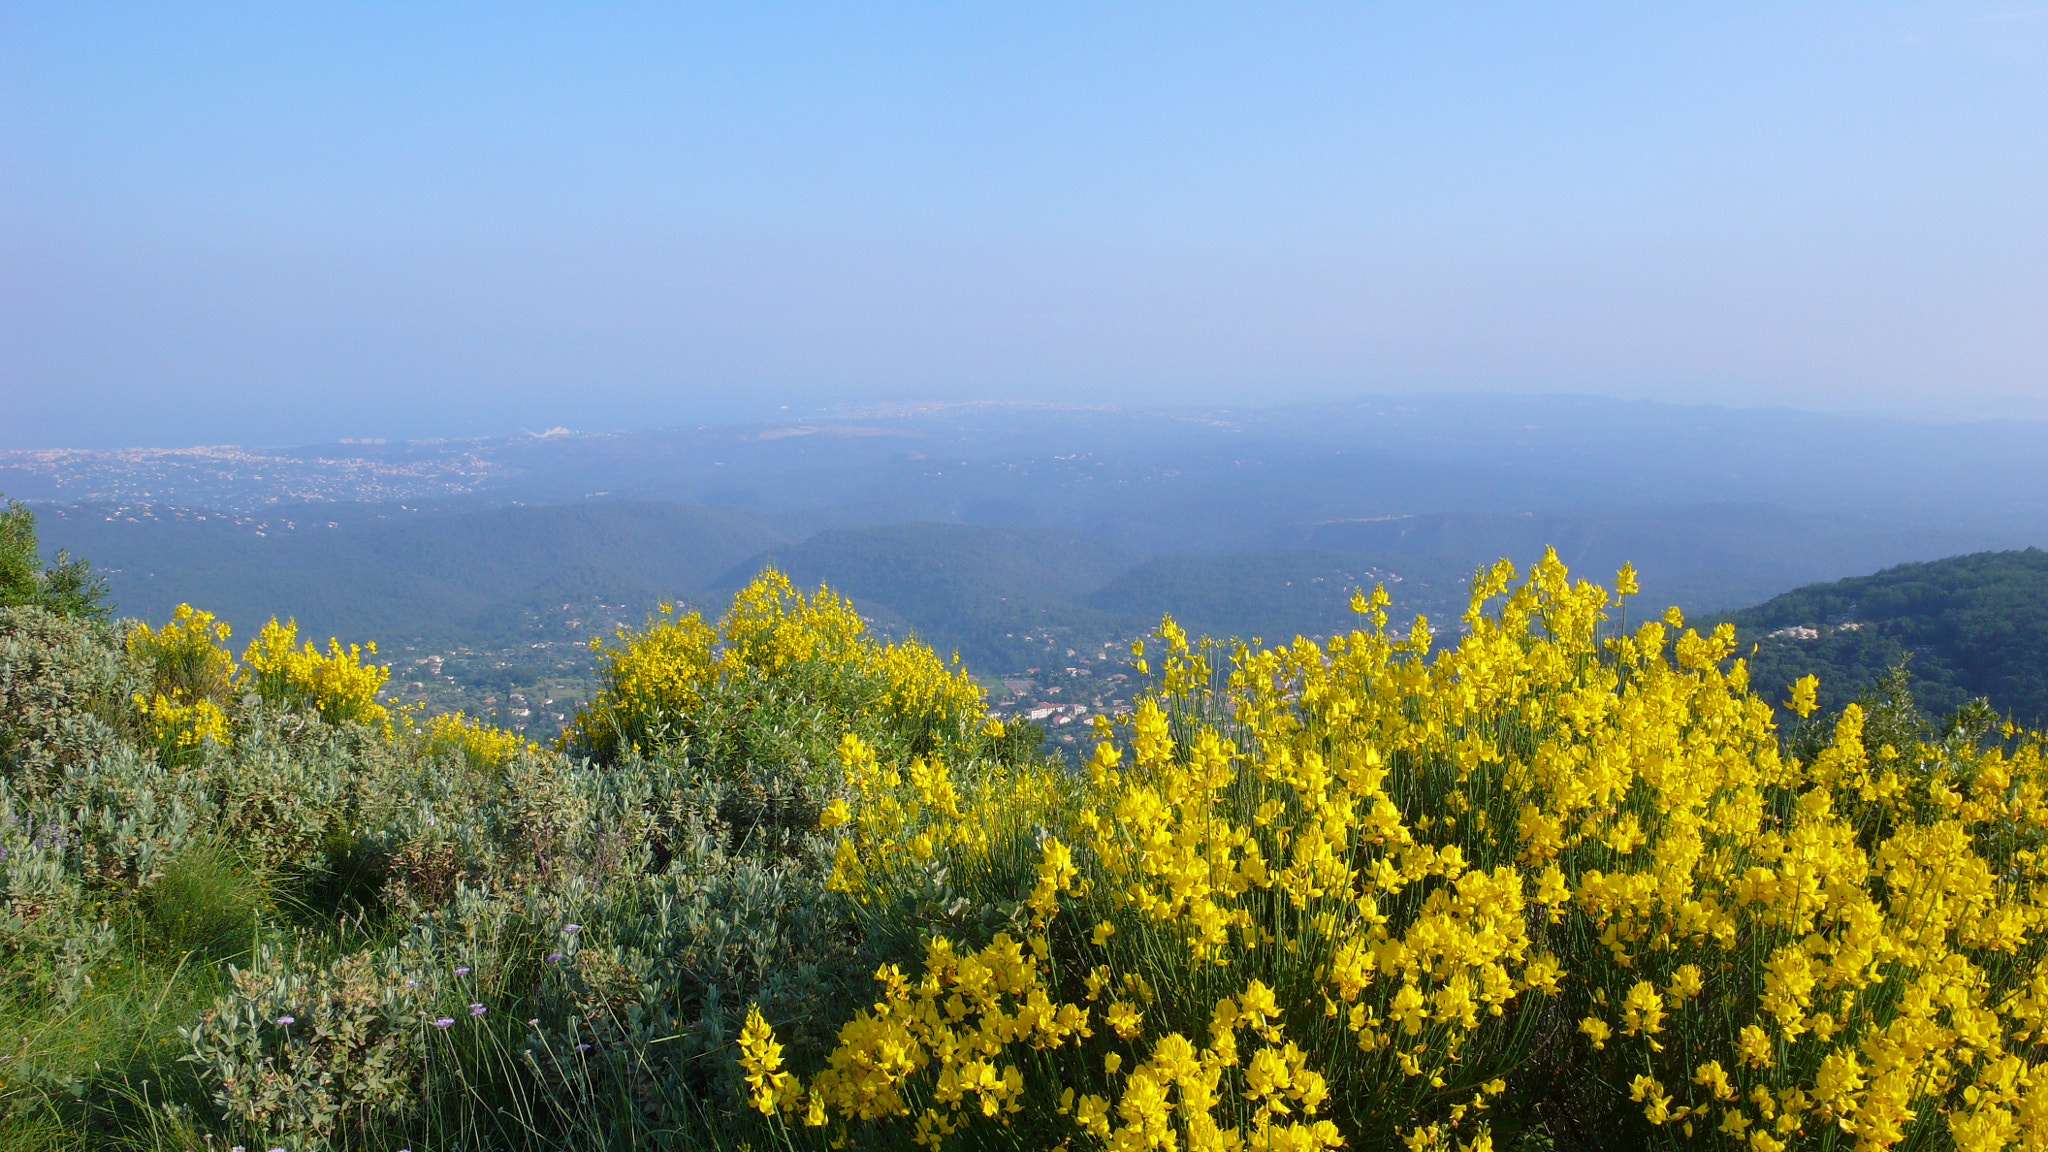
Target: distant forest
1966	627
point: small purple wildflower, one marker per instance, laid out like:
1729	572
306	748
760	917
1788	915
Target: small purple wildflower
572	929
583	1047
476	1010
462	971
286	1021
533	1023
444	1021
554	956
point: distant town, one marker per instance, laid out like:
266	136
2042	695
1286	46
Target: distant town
245	480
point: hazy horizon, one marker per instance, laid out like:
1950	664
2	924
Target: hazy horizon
277	227
772	415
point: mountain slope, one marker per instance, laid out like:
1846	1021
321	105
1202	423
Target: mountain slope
1280	594
384	571
998	596
1974	625
1702	557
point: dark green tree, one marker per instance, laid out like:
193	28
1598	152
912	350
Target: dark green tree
67	587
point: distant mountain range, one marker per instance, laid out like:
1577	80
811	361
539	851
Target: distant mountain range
1119	470
487	574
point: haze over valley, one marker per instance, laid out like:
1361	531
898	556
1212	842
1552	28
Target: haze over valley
1036	541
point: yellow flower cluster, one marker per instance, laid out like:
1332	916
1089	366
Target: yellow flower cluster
656	676
902	819
191	671
1399	855
335	683
481	745
184	725
947	1049
188	656
193	674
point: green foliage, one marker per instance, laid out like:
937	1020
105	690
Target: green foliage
1022	742
515	950
209	901
320	935
300	1048
65	695
67	587
1974	626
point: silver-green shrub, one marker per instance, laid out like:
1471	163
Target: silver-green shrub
66	695
301	1048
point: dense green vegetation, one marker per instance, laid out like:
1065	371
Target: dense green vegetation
253	916
248	906
66	586
1966	627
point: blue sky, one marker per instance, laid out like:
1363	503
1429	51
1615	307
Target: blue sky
275	223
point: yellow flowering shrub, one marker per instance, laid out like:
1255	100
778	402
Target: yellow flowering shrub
188	657
1318	894
657	682
177	726
194	677
480	745
191	672
653	679
336	683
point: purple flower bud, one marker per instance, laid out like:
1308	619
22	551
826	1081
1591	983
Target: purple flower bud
583	1047
476	1009
462	971
283	1021
444	1021
554	956
572	928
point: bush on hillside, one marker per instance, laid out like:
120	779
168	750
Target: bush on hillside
65	695
776	681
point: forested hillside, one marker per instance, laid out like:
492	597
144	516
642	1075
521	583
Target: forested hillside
398	571
481	603
1967	626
